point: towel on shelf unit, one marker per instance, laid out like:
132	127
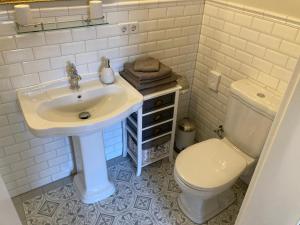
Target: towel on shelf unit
149	81
163	71
145	85
146	64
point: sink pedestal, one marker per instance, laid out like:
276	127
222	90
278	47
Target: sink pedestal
91	180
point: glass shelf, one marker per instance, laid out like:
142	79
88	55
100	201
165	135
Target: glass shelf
59	25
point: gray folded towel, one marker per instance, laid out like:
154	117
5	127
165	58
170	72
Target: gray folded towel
163	70
158	88
147	81
146	64
144	86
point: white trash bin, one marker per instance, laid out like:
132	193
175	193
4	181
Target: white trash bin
185	134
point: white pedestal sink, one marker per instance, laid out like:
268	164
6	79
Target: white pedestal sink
53	109
91	179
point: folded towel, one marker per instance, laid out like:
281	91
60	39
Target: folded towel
146	64
158	88
147	81
140	86
163	70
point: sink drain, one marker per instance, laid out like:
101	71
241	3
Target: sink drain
84	115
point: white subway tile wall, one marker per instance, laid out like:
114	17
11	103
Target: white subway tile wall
239	43
169	31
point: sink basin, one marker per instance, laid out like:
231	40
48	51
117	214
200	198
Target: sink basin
100	103
52	108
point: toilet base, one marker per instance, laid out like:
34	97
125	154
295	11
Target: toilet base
199	210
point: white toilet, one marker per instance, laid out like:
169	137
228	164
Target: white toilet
205	171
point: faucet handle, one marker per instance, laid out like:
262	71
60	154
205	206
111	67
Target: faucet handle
71	69
78	77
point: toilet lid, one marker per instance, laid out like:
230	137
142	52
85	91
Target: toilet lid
209	164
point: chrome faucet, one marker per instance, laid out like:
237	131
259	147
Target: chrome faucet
73	76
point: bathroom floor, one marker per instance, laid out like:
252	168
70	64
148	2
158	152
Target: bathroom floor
150	199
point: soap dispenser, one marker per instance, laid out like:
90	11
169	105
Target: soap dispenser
107	75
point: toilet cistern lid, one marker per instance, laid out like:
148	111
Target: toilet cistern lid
209	164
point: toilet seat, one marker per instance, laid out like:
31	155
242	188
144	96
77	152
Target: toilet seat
209	165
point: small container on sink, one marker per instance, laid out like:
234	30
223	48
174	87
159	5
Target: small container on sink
107	75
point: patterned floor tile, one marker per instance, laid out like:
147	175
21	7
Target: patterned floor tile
149	183
48	208
150	199
62	193
135	217
124	175
112	172
104	219
172	186
166	210
119	202
142	202
75	212
32	206
39	220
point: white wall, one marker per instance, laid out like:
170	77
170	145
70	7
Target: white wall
240	43
273	195
167	30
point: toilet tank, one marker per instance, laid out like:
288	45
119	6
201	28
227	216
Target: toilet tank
250	113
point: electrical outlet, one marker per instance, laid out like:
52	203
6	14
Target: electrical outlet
129	28
124	27
133	27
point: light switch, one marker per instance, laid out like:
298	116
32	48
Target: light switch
214	78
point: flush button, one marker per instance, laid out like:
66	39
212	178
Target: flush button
261	95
